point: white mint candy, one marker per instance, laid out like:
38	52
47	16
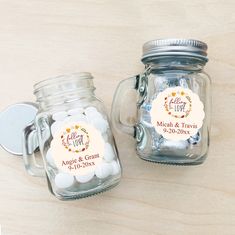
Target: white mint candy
75	111
115	167
94	116
85	178
105	137
98	116
100	124
103	170
59	116
64	180
109	154
55	127
91	111
49	158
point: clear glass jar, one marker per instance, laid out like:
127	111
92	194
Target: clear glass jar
76	143
173	106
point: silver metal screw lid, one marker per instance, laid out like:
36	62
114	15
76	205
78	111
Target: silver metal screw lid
12	122
178	47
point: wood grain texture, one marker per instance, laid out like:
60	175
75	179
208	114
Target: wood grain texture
41	39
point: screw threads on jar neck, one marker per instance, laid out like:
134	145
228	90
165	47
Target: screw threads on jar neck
175	63
64	89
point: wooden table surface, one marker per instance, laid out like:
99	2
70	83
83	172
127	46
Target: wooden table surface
45	38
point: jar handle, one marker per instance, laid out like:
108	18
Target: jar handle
123	87
30	142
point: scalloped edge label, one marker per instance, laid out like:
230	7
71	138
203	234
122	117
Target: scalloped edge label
177	113
77	148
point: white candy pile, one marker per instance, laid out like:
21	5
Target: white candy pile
89	115
109	165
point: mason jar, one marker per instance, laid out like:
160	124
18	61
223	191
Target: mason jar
72	129
173	103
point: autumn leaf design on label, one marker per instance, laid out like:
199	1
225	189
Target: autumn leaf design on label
75	138
77	148
177	113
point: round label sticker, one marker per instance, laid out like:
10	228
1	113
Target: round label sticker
177	113
77	148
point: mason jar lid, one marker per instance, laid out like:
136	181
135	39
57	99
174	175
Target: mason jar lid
174	47
12	122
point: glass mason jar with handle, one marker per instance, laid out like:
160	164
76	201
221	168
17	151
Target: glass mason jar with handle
173	106
72	129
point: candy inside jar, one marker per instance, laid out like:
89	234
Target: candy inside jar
109	165
75	139
173	104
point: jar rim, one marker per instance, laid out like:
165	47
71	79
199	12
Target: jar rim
60	79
